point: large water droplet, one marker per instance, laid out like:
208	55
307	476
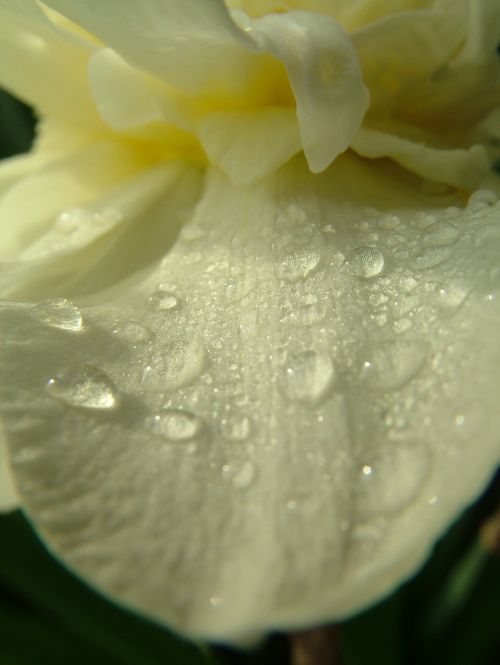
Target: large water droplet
85	387
297	266
307	376
391	365
365	262
392	479
59	313
440	233
177	425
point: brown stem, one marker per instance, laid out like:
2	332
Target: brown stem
317	646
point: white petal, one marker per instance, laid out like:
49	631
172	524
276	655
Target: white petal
272	429
192	44
458	167
8	495
79	249
44	68
325	75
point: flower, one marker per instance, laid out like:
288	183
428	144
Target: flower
250	270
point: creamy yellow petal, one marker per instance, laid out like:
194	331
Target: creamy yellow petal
315	361
325	76
42	67
193	44
250	144
459	167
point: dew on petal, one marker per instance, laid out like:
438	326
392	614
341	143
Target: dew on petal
307	376
393	479
59	313
176	425
163	300
482	196
440	234
73	220
450	296
86	387
298	265
245	476
366	262
133	332
432	257
235	428
391	365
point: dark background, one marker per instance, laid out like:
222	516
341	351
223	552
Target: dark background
449	614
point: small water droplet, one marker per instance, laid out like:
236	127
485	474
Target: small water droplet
291	505
365	262
396	477
59	313
440	233
74	219
391	365
85	387
176	425
432	257
235	428
163	300
244	478
298	265
307	376
133	332
483	196
450	296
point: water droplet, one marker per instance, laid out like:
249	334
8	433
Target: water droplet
307	376
59	313
291	505
484	196
432	257
402	325
133	332
450	296
85	387
365	262
235	428
74	219
244	478
163	300
305	311
391	365
298	265
177	425
440	233
395	479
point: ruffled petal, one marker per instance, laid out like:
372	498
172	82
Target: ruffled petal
193	45
274	426
42	67
326	79
79	248
249	145
459	167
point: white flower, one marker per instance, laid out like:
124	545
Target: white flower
280	379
